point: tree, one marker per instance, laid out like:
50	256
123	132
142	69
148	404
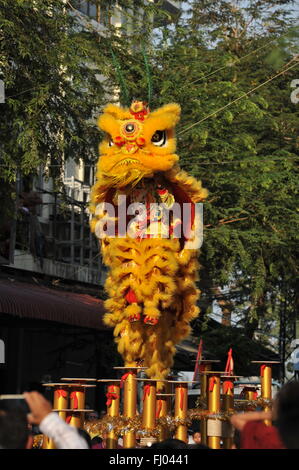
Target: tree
58	72
245	154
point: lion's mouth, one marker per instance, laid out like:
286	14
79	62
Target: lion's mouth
126	162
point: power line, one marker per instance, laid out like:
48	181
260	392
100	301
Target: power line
238	99
235	61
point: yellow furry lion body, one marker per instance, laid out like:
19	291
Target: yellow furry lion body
151	281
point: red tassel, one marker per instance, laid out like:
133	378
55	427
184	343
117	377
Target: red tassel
131	297
146	391
122	380
227	385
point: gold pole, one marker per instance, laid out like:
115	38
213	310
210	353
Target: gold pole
214	432
249	393
266	383
204	379
76	419
227	405
203	395
130	406
61	400
113	398
169	390
180	412
77	402
162	411
149	404
48	443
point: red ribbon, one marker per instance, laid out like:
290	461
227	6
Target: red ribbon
182	396
111	395
255	396
61	393
198	358
124	377
227	385
68	419
263	367
159	408
229	368
146	391
212	382
75	398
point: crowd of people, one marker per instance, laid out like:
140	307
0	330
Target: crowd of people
251	429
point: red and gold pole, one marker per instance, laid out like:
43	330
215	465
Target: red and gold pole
204	366
149	404
249	393
60	404
61	395
266	387
77	402
150	410
266	383
112	403
181	408
162	411
228	406
214	427
129	383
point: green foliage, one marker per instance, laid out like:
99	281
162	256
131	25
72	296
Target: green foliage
246	154
50	92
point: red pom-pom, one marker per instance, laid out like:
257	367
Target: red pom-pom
140	141
131	297
119	140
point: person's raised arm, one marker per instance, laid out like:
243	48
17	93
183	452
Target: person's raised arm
239	420
50	424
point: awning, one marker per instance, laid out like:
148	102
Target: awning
30	301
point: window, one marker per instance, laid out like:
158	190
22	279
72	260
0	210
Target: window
89	8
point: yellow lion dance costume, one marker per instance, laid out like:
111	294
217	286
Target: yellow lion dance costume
151	280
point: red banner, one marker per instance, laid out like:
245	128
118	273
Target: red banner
229	368
227	385
61	393
263	367
111	395
75	398
146	391
212	383
159	408
198	358
124	377
182	396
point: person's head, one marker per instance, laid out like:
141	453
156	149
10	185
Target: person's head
92	416
96	440
14	430
197	437
97	443
287	414
170	444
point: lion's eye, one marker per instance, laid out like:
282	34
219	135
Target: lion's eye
159	138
